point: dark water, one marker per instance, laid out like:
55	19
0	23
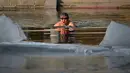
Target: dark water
32	18
99	17
38	18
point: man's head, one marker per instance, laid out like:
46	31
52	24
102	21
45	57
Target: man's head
64	17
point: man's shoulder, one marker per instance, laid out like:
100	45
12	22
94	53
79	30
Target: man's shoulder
71	23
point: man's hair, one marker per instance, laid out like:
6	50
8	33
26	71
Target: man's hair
65	14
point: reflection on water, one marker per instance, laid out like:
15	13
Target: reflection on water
39	64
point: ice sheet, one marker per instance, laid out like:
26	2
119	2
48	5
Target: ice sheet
114	57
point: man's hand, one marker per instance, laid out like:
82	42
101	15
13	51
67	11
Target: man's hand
71	29
66	27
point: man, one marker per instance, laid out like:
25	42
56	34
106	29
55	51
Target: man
64	26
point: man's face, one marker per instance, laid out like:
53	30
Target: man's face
64	19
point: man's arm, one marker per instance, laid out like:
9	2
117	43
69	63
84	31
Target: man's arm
56	26
72	26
